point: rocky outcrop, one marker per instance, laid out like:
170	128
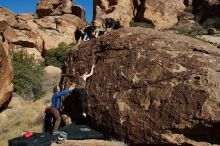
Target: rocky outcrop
79	11
161	13
37	35
120	10
206	9
20	35
54	7
59	28
6	86
149	85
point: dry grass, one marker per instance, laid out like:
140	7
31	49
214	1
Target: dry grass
29	117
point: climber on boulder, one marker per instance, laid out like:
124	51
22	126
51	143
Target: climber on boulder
80	89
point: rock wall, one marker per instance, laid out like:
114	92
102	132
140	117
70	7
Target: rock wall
56	22
6	86
161	13
79	11
54	7
148	84
117	9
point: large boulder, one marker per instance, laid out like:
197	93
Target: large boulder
59	28
6	86
119	10
7	16
148	84
161	13
18	34
19	39
54	7
79	11
37	35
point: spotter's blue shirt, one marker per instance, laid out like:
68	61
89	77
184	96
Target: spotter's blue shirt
56	98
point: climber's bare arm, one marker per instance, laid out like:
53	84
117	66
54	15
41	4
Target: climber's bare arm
86	75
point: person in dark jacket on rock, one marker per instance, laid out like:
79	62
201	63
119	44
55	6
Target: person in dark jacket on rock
88	31
55	107
112	24
95	33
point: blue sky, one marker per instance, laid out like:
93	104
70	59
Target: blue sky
29	6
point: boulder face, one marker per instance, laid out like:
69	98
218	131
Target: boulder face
206	8
59	28
161	13
120	10
19	34
54	7
79	11
37	35
6	86
7	15
148	84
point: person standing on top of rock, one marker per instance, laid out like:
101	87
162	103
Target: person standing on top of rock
111	24
80	89
55	107
87	32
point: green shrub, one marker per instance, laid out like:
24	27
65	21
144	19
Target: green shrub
27	75
190	31
56	56
211	22
141	24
